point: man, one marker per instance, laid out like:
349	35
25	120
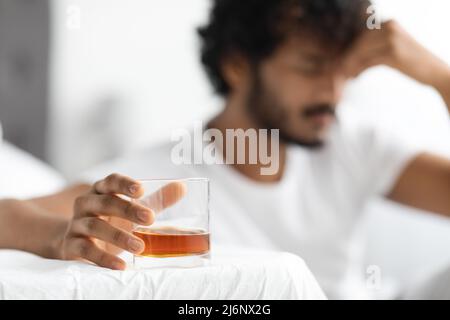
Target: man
279	64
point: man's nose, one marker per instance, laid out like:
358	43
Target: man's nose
330	87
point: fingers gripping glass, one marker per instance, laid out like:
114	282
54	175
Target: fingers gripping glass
179	236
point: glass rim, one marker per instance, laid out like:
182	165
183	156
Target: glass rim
174	179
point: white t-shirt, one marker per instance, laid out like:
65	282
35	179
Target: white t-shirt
23	176
314	211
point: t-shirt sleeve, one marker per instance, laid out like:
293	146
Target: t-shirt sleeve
372	158
383	158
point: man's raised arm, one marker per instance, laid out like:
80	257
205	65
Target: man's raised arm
425	183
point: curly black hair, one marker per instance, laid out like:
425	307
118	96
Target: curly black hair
255	28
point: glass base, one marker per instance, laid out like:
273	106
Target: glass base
188	261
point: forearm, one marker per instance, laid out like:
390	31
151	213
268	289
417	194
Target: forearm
61	203
442	85
25	226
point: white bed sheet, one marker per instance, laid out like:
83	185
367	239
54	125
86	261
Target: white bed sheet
231	274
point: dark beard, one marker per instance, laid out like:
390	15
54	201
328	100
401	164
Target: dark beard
269	115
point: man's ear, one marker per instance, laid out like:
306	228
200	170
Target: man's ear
236	71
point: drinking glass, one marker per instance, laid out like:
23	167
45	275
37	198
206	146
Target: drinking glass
179	235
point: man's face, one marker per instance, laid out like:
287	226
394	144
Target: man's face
296	90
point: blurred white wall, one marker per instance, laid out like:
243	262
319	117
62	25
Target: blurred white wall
126	72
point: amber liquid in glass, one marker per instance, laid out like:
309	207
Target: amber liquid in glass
172	242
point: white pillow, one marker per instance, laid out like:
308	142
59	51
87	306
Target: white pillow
24	176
